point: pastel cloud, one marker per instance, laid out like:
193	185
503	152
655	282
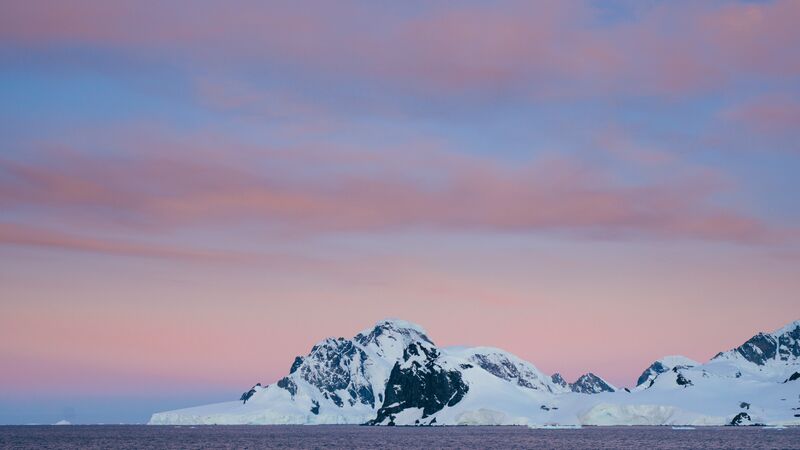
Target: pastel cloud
27	235
620	144
551	48
757	37
766	114
369	191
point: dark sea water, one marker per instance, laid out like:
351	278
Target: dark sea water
346	436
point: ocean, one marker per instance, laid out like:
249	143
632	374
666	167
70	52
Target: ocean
357	437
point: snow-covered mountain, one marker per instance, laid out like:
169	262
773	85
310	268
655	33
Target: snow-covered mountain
393	374
590	383
587	383
665	364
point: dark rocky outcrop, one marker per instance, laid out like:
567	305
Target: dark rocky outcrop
792	377
246	395
334	365
590	383
789	344
654	369
502	366
420	382
334	398
298	360
683	381
659	367
759	348
288	384
739	419
784	345
559	380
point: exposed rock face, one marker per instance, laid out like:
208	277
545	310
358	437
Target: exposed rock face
792	377
590	383
246	395
420	382
337	364
789	343
759	349
288	384
296	364
504	366
683	381
651	372
559	380
782	345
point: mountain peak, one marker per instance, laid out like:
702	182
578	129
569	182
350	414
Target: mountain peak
399	324
678	360
388	327
590	383
663	365
389	338
788	328
559	380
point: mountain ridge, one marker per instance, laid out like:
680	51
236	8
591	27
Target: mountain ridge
394	374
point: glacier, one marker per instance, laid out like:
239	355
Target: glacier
394	374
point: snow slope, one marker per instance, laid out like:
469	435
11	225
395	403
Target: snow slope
393	374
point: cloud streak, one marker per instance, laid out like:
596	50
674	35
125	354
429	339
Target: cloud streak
561	48
31	236
368	191
766	115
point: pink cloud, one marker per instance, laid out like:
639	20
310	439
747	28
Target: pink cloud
554	48
25	235
366	191
767	114
232	95
757	37
622	145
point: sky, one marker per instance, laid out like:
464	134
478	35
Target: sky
194	192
